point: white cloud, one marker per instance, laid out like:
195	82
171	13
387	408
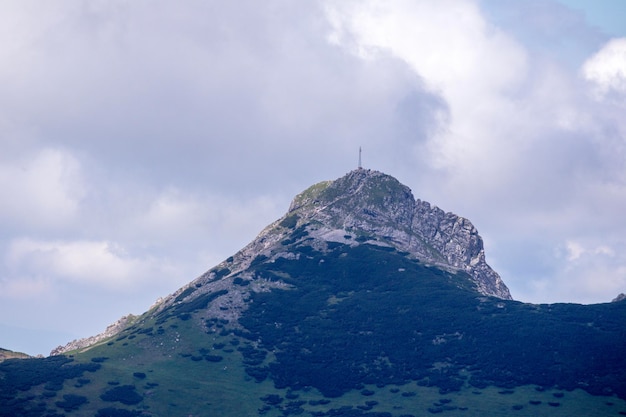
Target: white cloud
474	66
448	42
607	68
26	288
591	272
583	270
172	212
40	190
576	251
209	225
91	263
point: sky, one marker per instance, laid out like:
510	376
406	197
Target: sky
143	142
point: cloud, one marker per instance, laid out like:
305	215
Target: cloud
198	230
591	268
26	288
97	263
575	251
466	47
473	66
607	68
181	94
176	213
40	190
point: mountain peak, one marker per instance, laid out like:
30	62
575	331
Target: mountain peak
364	207
368	206
373	185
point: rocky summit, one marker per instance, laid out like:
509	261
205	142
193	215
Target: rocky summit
364	207
370	207
359	301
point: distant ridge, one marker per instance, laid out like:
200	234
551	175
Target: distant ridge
8	354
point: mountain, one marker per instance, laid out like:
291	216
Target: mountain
8	354
360	301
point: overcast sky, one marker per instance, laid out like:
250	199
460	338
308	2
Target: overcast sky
142	142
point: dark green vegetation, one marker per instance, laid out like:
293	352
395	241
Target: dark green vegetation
22	375
361	331
365	315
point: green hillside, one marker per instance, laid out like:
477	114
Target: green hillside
355	331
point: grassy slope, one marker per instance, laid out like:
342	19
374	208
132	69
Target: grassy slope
187	387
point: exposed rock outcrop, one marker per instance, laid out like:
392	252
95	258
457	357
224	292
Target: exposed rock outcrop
620	297
8	354
110	331
364	206
369	206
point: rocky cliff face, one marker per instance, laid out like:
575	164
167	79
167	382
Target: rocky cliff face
369	206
